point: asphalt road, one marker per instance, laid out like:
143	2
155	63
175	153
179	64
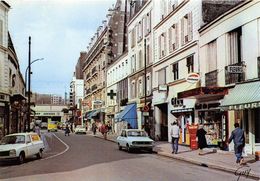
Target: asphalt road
84	157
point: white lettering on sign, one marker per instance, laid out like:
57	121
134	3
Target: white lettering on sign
235	69
245	106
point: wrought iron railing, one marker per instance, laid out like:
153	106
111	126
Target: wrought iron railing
211	78
231	78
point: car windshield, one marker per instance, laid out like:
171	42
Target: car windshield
137	133
14	139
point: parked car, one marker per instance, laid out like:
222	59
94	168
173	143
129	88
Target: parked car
44	125
80	130
20	146
52	126
134	139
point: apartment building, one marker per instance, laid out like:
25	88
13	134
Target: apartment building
140	57
229	58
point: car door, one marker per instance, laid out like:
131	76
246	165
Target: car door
36	143
124	141
121	138
29	146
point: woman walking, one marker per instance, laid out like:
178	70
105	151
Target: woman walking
201	138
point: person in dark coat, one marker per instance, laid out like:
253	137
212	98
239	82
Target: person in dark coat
238	138
202	143
67	130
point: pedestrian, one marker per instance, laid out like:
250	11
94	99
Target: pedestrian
67	130
94	128
37	129
103	130
129	126
201	138
175	134
238	138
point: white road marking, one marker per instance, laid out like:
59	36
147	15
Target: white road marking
67	148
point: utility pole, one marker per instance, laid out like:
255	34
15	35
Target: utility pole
29	87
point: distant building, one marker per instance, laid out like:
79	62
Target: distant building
79	65
57	100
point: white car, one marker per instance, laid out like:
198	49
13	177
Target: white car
80	130
134	139
20	146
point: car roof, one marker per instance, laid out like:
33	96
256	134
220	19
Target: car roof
22	134
133	130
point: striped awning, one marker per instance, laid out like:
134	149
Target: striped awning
243	96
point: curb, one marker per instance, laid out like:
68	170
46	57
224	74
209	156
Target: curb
195	162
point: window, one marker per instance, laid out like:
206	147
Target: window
162	76
133	61
148	54
186	28
163	8
140	87
162	45
212	56
175	70
190	64
133	37
173	38
235	44
133	89
148	23
140	56
171	5
258	65
140	31
148	84
1	32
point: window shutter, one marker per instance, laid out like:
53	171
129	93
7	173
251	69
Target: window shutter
190	26
170	39
176	36
1	32
182	31
159	46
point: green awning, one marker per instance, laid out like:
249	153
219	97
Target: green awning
243	96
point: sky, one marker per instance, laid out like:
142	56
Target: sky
59	30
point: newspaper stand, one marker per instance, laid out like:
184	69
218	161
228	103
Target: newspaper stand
193	131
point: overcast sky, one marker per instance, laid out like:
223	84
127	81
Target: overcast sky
59	30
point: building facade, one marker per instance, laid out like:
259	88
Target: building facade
229	51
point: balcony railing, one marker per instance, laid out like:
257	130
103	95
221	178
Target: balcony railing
88	91
211	78
231	78
88	76
94	87
94	70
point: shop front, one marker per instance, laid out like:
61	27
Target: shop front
207	111
243	106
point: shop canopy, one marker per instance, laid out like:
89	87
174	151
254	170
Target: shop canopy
129	115
243	96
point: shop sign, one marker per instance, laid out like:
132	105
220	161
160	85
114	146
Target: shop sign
193	78
235	69
97	102
163	87
245	106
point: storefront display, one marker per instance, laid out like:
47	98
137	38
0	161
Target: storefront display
212	121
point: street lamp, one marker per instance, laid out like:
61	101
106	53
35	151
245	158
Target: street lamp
27	70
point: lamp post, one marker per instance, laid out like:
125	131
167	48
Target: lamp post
29	84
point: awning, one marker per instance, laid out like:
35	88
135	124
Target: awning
243	96
128	114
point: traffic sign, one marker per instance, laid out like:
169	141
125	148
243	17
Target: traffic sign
146	108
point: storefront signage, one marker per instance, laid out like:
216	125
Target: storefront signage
193	78
97	102
245	106
181	110
48	114
163	87
235	69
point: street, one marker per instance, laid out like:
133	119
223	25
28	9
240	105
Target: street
90	158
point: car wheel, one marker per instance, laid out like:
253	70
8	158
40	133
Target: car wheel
129	150
21	158
119	147
39	155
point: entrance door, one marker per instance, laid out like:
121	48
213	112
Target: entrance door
164	122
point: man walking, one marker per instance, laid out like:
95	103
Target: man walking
175	134
238	138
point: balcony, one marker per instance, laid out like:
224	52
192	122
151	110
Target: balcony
88	91
94	87
231	78
94	71
88	76
211	79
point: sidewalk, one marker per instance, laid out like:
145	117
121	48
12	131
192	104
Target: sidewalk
220	160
